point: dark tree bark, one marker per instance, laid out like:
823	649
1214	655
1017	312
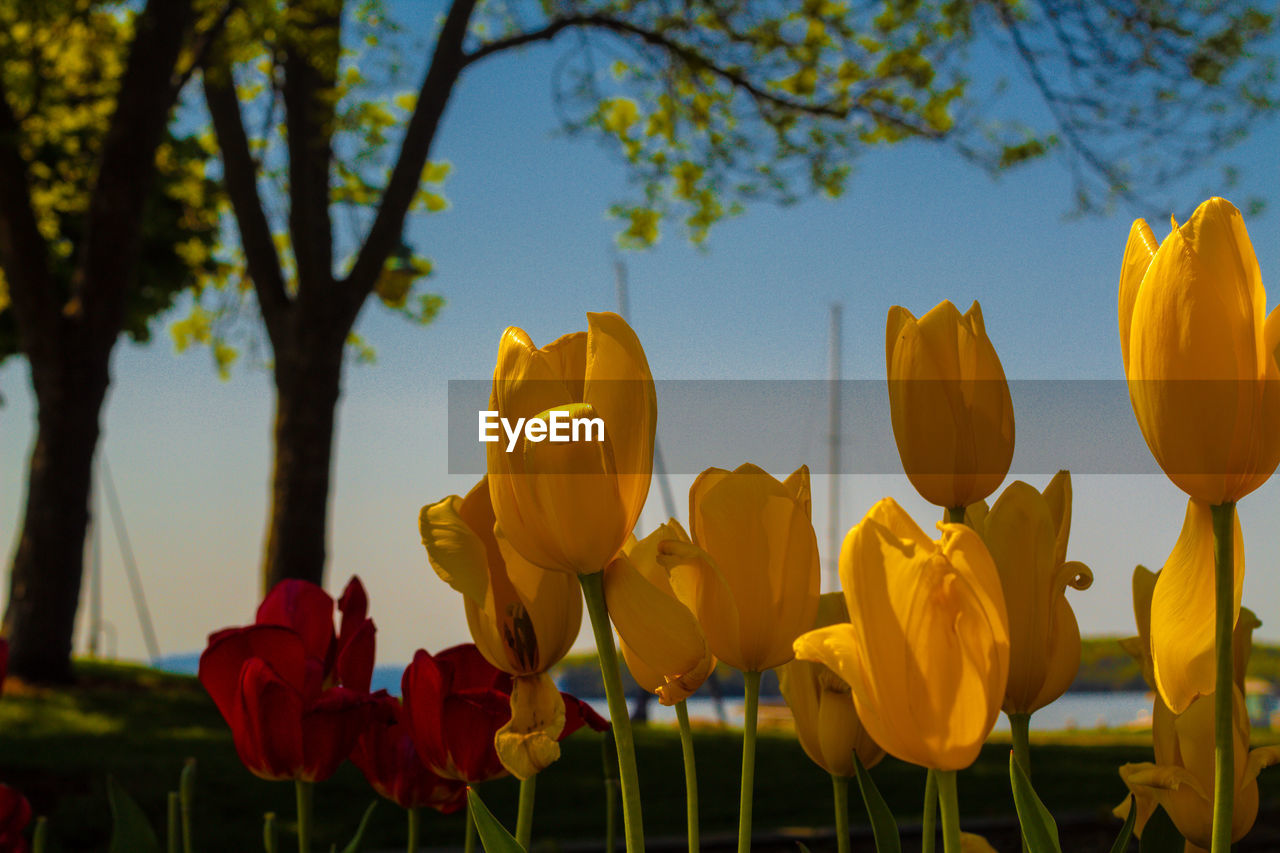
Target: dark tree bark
308	325
44	587
308	384
67	330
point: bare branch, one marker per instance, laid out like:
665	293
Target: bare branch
240	172
437	85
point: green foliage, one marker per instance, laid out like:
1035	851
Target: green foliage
883	826
1038	826
62	68
130	831
493	835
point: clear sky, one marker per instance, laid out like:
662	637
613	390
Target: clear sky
527	242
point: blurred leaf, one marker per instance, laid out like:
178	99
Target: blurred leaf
130	832
1126	831
354	846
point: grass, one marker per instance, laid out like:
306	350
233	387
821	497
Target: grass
139	725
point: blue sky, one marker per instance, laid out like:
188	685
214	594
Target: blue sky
527	242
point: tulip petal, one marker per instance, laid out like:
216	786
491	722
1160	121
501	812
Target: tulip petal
457	550
1138	252
304	607
529	742
700	586
1058	497
577	714
657	629
1182	610
330	729
228	651
266	724
619	387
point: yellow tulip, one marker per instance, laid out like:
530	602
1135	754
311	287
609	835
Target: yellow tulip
822	704
751	577
1200	354
662	642
570	505
1026	533
926	650
1181	779
1183	610
949	403
522	618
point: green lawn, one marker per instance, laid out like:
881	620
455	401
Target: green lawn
139	725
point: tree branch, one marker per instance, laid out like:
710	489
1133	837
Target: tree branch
437	85
24	252
310	72
203	45
113	233
240	174
695	59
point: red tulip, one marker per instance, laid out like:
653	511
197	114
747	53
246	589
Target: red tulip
292	691
388	759
454	704
15	814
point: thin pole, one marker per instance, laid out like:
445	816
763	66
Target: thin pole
659	467
833	499
130	566
95	583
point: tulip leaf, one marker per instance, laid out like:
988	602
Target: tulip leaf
358	839
883	827
493	835
1160	835
130	832
1038	827
803	849
1126	831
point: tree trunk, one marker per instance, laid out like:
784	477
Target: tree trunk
44	589
308	379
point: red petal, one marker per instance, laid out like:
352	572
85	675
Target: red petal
304	607
422	690
388	759
267	723
330	729
354	663
15	814
354	606
465	668
229	649
471	719
578	714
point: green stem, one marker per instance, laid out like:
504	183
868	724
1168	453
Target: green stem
469	844
303	790
955	515
950	810
1020	725
593	593
172	824
751	684
1224	741
610	815
413	830
929	818
40	839
524	814
269	832
690	774
840	794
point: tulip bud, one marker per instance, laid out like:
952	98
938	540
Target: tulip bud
926	650
1200	354
949	403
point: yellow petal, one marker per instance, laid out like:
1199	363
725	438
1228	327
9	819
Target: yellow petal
949	404
698	583
1138	253
970	843
657	629
529	743
1182	610
454	549
568	493
763	543
1058	497
1198	356
619	386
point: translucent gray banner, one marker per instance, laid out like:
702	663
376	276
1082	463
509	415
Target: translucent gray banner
1086	426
